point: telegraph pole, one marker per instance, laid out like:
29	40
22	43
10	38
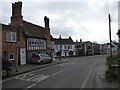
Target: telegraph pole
110	35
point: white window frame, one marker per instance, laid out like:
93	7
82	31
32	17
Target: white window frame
9	56
10	39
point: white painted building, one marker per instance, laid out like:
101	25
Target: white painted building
64	47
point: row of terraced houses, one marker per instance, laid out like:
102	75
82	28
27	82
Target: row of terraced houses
21	39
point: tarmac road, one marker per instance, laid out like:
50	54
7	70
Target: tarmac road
76	73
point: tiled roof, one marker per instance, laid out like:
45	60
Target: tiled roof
7	27
30	29
61	41
33	30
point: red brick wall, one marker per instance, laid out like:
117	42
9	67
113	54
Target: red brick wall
21	41
8	47
47	33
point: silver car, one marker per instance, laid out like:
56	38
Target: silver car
40	59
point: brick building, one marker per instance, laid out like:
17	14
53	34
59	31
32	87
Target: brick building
21	39
79	48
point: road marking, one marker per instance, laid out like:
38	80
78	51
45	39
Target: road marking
14	77
38	78
42	78
30	86
32	77
88	76
23	77
18	76
59	72
27	73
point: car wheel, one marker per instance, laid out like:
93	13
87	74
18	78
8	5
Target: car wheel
4	73
41	62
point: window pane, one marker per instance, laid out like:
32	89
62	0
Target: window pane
13	36
32	42
9	36
11	56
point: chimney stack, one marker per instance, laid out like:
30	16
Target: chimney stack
46	20
16	18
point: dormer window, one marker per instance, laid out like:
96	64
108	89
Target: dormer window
11	36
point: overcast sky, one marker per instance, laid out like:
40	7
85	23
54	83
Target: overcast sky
85	19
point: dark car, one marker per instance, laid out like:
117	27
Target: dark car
6	67
40	58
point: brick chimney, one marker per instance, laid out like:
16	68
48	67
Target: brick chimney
47	33
46	21
16	18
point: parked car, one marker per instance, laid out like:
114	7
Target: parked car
40	58
6	67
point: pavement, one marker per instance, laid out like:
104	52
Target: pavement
99	78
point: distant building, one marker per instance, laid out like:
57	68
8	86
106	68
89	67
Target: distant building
96	48
114	47
84	48
64	47
79	48
105	48
89	49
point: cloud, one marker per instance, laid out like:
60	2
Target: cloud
79	18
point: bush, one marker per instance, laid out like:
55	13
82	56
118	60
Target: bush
111	74
108	75
113	60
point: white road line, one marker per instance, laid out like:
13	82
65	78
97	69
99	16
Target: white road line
45	78
23	77
88	76
41	79
59	72
30	72
34	77
15	77
38	78
30	86
45	68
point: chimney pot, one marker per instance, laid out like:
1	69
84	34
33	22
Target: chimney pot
46	20
16	18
